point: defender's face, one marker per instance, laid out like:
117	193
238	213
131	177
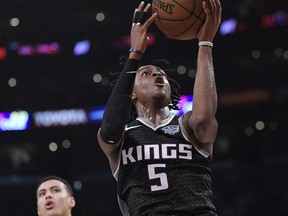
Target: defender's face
53	199
151	84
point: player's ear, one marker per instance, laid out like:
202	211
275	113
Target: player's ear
133	97
72	202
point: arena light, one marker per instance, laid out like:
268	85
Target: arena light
47	48
82	47
228	27
14	121
278	18
26	50
68	117
3	53
248	96
124	42
185	105
96	114
39	49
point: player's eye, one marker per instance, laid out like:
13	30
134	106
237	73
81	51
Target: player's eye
145	73
55	190
41	194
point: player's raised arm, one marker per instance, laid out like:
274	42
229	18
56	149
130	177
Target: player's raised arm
202	118
119	104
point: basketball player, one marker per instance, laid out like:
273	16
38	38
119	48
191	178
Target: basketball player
162	163
54	197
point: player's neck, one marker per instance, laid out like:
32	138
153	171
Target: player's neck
152	114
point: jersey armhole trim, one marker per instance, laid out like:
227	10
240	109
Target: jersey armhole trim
190	139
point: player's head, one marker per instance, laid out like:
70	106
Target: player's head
160	68
151	86
54	197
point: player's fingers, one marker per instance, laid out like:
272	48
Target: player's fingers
218	3
219	9
213	6
134	17
136	14
216	11
141	6
147	8
206	10
150	20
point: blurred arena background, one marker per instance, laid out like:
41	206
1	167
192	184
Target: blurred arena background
55	61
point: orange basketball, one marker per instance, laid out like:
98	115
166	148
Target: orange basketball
179	19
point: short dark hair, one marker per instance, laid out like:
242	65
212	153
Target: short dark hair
65	182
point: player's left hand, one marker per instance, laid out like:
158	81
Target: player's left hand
212	21
140	27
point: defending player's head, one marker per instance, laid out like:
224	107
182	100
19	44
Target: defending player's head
54	197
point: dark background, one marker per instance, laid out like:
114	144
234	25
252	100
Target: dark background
251	66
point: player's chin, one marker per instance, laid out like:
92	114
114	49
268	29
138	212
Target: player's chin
161	97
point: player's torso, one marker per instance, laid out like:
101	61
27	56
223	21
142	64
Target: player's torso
159	168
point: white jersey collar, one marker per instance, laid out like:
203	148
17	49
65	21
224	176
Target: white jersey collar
153	126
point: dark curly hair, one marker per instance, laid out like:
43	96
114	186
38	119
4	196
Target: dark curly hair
174	85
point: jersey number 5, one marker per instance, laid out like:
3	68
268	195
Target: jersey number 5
161	176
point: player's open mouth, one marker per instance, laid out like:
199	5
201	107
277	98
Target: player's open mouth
49	205
159	81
